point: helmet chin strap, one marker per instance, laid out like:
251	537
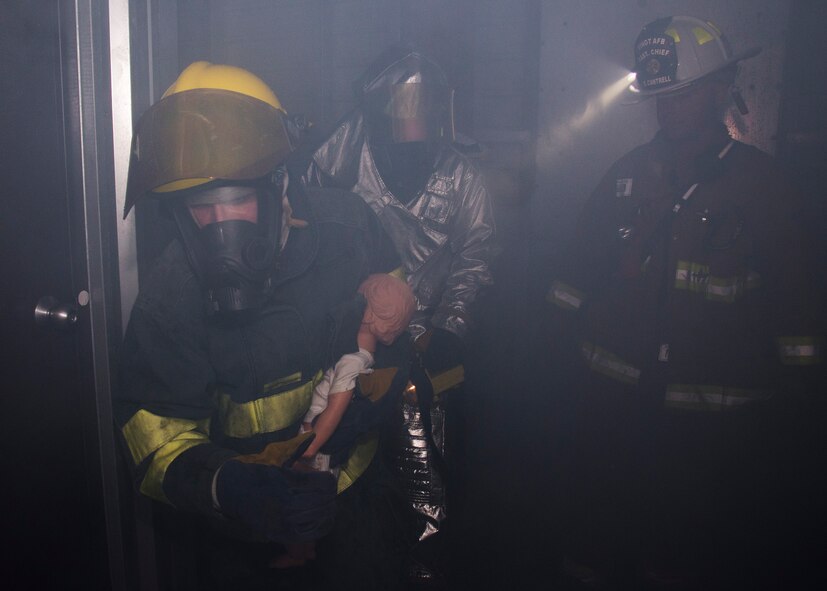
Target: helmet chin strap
739	101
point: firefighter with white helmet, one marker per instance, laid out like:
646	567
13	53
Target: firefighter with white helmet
687	310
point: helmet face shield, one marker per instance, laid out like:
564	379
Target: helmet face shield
409	112
205	134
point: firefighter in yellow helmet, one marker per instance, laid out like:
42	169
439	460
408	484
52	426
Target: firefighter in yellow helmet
236	320
685	307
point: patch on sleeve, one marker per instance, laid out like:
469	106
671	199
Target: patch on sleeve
623	187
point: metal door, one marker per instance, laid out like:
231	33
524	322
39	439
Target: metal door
59	496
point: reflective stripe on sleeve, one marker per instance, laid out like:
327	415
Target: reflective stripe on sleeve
565	296
608	364
358	461
710	398
695	277
266	414
146	432
399	273
799	350
447	379
153	482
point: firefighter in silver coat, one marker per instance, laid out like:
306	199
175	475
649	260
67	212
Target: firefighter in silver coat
395	151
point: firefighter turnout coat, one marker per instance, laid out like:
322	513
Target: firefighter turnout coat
691	283
197	390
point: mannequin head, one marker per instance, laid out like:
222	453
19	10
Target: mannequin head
390	306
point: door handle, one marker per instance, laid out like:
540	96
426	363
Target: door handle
50	313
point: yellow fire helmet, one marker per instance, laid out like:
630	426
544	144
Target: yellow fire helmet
214	122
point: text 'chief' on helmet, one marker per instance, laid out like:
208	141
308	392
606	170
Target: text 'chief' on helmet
216	122
674	52
406	98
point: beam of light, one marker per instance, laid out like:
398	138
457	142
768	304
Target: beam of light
561	135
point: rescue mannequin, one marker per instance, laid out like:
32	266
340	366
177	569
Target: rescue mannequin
390	305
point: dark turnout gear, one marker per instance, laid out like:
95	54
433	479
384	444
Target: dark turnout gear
200	389
687	297
287	505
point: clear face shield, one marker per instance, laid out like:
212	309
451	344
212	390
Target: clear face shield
410	112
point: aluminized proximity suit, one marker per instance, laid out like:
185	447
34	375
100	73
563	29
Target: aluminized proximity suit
445	238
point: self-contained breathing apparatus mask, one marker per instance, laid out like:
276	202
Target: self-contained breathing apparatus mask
235	258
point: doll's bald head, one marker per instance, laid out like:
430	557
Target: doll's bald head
391	305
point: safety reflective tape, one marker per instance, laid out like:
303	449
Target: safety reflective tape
266	414
281	382
608	364
446	380
799	350
565	296
153	482
672	32
695	277
358	461
701	35
146	432
399	273
710	398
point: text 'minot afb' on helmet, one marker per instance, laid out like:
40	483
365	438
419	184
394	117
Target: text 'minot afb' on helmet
672	53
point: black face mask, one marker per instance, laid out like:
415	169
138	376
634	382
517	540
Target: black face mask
235	260
405	167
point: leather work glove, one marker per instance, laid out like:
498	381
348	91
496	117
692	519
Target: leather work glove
281	453
283	505
442	350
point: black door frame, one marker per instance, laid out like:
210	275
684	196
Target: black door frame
87	105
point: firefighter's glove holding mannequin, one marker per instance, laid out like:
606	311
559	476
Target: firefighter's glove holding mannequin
443	350
284	505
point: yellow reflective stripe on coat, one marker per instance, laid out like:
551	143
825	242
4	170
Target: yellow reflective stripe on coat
399	273
153	482
695	277
358	461
799	350
608	364
565	296
448	379
266	414
146	432
710	398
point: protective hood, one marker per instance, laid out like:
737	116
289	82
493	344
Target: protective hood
406	97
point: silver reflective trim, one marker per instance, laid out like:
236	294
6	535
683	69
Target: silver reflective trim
565	296
711	397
